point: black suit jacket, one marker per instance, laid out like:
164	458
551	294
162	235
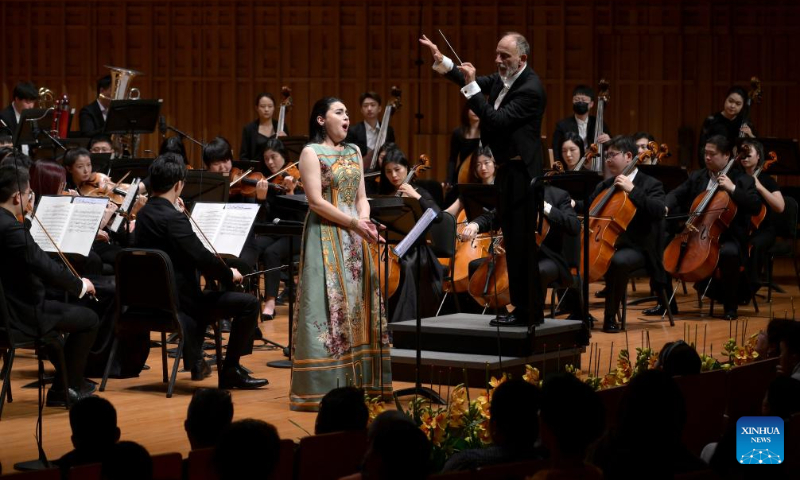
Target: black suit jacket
646	230
10	118
251	139
570	124
745	196
357	135
516	128
91	120
160	226
25	269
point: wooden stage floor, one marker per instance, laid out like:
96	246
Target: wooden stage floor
148	417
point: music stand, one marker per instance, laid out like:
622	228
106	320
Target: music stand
134	167
788	155
669	175
131	117
294	145
31	123
101	162
205	186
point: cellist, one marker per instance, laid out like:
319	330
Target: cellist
732	242
637	246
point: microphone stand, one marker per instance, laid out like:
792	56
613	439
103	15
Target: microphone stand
186	136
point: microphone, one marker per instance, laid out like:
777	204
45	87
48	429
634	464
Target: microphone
278	221
162	126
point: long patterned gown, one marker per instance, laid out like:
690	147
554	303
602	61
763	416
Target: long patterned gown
339	335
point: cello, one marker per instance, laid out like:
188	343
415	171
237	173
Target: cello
591	152
609	216
466	252
489	284
756	220
694	253
602	98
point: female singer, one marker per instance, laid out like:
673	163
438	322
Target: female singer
274	250
260	129
572	150
763	238
403	303
340	335
728	122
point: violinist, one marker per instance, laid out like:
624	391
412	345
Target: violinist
639	245
403	304
581	123
572	150
733	241
365	134
730	122
25	270
259	130
483	167
762	238
163	227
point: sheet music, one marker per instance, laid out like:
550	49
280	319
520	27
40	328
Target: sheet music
133	190
72	222
225	225
422	224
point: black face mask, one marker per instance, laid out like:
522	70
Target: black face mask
580	107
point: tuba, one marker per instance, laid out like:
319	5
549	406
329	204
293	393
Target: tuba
121	89
46	98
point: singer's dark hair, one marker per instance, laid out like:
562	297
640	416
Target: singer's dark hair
165	171
11	180
316	132
72	156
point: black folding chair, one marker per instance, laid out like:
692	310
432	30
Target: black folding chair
443	244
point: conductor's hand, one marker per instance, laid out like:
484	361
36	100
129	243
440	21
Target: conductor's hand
237	277
437	55
624	183
262	187
89	286
469	72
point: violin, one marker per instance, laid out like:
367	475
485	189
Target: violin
371	157
244	182
609	216
489	284
100	185
756	220
286	104
278	178
753	96
422	164
693	254
602	98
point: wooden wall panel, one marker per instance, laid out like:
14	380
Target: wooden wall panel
669	61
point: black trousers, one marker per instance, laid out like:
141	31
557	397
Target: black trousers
517	211
624	261
725	288
274	251
548	272
761	241
243	308
81	323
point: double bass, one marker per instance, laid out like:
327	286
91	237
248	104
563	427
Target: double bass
609	216
371	157
694	253
753	96
602	98
286	104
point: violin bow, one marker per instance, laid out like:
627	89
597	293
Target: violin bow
240	177
61	255
282	170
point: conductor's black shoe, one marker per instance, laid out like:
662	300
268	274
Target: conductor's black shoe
88	387
600	293
236	377
610	327
659	310
200	370
510	320
730	315
58	398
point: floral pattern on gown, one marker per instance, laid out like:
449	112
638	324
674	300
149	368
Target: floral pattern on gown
339	335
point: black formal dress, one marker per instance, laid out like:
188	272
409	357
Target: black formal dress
513	132
640	245
762	239
357	135
91	120
252	140
25	271
570	124
8	116
460	148
718	124
733	242
160	226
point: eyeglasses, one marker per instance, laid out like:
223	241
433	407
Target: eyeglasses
610	155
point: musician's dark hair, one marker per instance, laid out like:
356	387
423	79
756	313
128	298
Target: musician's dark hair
584	90
47	177
370	94
316	132
275	145
17	158
25	91
103	83
464	126
739	91
102	138
6	136
5	151
393	155
721	142
217	150
641	135
623	143
758	146
173	145
265	95
11	179
577	140
523	47
72	156
165	171
480	151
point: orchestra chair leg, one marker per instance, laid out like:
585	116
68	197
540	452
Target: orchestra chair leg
164	365
663	300
178	358
111	357
633	284
685	292
624	316
8	361
218	344
769	278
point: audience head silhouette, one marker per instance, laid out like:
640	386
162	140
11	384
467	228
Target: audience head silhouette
678	358
572	417
93	421
249	448
210	413
397	450
514	420
342	409
128	461
782	398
